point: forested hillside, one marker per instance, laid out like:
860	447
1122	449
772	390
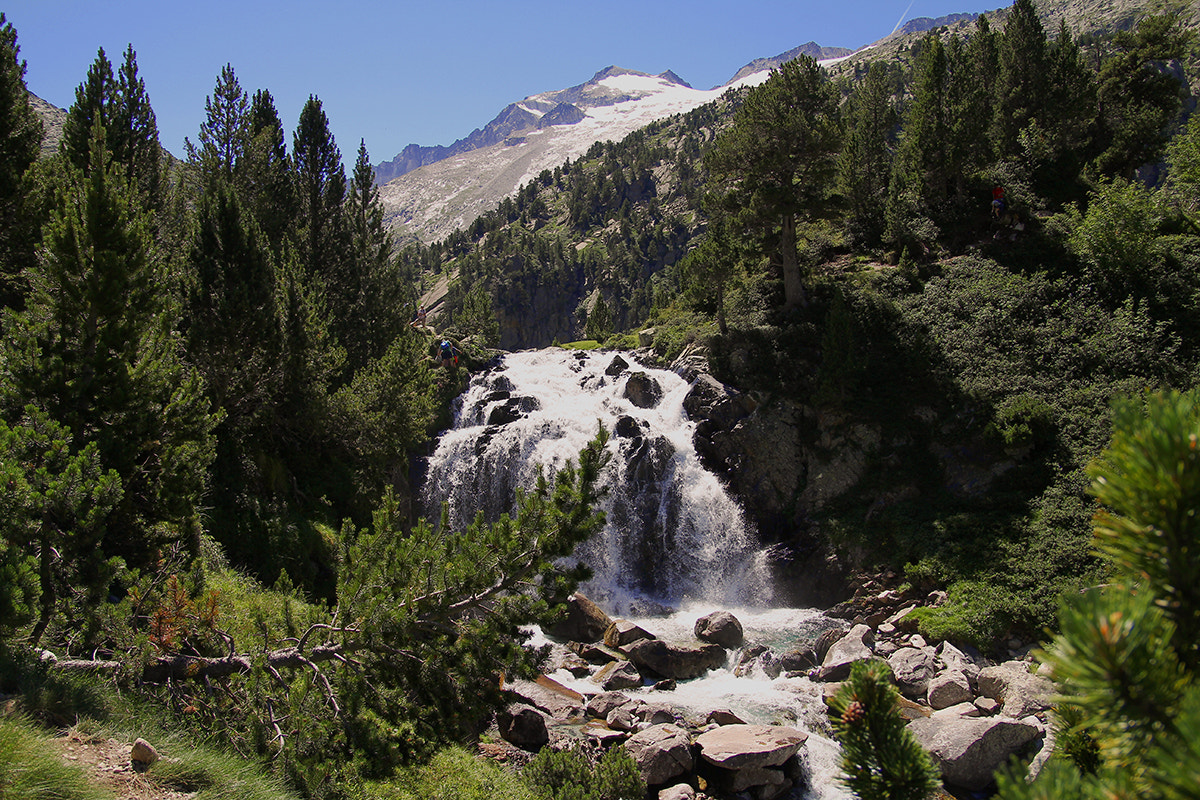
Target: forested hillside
833	246
211	394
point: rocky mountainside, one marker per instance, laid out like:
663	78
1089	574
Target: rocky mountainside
431	202
563	107
811	49
52	123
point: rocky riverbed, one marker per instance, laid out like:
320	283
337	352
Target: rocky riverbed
972	714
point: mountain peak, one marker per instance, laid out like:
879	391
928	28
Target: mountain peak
612	71
669	75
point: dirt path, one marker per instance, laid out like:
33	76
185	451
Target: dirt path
106	763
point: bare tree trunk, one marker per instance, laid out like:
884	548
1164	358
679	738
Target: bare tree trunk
793	287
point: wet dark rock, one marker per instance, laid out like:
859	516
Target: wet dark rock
642	390
512	410
680	662
584	621
629	428
616	367
720	627
523	726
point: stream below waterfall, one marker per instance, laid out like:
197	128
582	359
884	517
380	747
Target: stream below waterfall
676	544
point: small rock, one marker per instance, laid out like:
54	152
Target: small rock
723	716
680	791
142	754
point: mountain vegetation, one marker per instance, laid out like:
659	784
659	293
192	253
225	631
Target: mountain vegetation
210	394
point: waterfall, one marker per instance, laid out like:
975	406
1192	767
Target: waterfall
676	545
673	533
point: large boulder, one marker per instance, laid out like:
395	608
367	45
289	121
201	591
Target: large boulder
948	689
583	622
720	627
681	662
623	632
617	675
736	747
642	390
662	752
854	646
551	697
913	667
599	705
523	726
1020	691
968	750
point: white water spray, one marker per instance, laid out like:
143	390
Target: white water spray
673	532
676	544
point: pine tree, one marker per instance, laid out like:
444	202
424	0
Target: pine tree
1138	100
97	350
1022	81
376	318
1127	657
133	133
93	102
865	161
53	520
266	173
20	140
321	192
224	133
777	158
881	759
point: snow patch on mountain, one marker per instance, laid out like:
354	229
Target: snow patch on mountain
431	202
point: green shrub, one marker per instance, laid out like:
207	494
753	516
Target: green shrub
452	774
571	775
978	613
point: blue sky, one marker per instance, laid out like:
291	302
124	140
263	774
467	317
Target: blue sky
394	73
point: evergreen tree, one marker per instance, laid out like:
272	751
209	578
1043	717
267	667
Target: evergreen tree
20	140
233	324
925	147
710	267
224	134
865	161
53	519
321	192
93	102
973	85
1022	80
881	759
375	319
266	173
133	133
97	350
1138	99
1127	657
775	160
599	321
1183	179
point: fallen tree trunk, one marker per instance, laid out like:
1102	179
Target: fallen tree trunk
186	668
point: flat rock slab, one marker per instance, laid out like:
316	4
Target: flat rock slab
745	746
551	697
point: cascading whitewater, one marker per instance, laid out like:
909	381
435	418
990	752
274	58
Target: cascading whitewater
673	532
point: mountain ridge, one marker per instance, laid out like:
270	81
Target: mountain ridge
555	107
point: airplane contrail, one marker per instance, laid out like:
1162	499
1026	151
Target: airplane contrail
902	16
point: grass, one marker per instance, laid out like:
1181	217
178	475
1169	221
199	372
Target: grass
452	774
191	762
31	768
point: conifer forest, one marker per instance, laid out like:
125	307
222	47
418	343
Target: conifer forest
213	403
